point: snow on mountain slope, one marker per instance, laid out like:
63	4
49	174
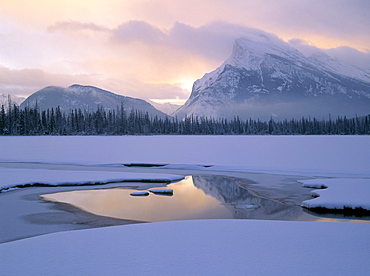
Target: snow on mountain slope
266	77
86	98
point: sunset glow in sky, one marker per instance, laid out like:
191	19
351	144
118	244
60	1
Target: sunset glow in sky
157	49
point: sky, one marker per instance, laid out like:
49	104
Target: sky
157	49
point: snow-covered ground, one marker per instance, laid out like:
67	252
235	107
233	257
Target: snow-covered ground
213	247
339	193
12	178
315	155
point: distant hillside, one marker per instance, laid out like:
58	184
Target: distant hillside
86	98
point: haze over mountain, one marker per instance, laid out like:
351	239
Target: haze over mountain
265	77
167	108
5	98
86	98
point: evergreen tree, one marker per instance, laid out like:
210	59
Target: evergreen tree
30	121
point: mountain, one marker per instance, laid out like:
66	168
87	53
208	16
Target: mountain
265	77
167	108
86	98
5	98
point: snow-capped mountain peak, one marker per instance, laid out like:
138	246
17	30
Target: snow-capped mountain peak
249	53
265	76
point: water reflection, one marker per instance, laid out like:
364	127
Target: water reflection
228	192
197	197
187	202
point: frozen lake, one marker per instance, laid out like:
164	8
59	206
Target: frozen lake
252	177
244	172
297	155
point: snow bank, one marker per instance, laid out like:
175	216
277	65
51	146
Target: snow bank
212	247
339	194
13	178
320	155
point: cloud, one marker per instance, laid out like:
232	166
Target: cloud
74	26
351	56
138	31
303	46
80	30
184	48
212	41
155	91
344	54
26	81
158	48
329	23
139	59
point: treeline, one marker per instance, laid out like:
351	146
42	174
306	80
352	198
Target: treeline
32	121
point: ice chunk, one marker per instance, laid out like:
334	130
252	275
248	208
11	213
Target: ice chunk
141	193
162	191
246	206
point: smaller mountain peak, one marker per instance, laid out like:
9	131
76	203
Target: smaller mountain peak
87	98
75	85
85	89
79	86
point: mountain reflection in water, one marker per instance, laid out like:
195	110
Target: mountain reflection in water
228	192
197	197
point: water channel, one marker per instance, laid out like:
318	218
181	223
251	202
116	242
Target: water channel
195	197
34	211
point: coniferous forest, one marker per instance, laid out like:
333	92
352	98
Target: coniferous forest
32	121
